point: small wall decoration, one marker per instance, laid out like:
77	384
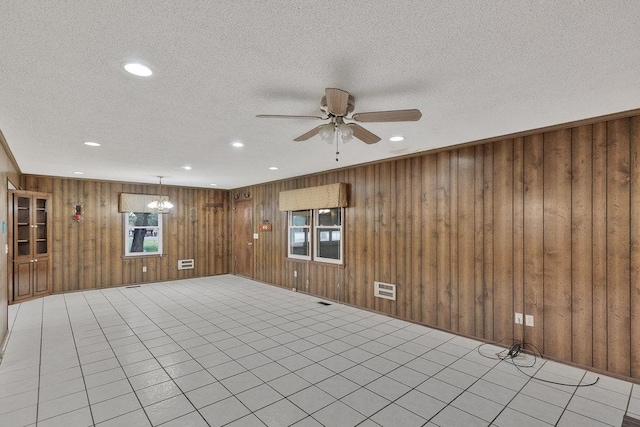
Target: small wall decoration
77	214
265	226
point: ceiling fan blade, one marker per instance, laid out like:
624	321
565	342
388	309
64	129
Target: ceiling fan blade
363	134
337	101
283	116
388	116
312	132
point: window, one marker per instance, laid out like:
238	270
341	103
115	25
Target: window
142	234
320	229
299	241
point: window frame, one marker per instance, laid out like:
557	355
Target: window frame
313	231
331	229
127	228
309	229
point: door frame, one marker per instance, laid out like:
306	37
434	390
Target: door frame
234	211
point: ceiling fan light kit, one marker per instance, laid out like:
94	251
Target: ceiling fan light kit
337	104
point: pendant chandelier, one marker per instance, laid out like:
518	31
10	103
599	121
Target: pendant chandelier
161	203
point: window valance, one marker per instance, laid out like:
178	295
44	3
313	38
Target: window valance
324	196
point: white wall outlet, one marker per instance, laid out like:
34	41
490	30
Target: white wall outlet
528	319
255	236
144	269
518	318
295	273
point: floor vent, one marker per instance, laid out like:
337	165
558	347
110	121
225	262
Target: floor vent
185	264
384	290
134	286
323	303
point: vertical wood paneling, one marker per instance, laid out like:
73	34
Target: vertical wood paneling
503	241
466	240
635	246
478	231
443	241
534	238
618	271
453	251
557	243
88	254
581	249
402	246
599	246
488	279
429	237
416	243
518	235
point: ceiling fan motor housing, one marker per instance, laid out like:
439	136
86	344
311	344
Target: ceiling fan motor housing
350	106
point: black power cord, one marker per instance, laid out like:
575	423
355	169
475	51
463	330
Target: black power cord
515	350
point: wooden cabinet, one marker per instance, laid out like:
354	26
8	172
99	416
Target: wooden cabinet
30	245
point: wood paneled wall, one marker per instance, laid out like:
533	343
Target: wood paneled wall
546	224
8	172
89	254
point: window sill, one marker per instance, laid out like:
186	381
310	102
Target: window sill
143	256
323	264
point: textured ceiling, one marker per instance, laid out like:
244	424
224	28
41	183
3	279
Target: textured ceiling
475	69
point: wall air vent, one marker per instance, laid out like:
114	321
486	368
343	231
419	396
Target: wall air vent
384	290
185	264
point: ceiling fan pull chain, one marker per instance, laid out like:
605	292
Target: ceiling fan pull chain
337	150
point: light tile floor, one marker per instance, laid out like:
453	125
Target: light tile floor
226	350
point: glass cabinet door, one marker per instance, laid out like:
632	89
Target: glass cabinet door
41	222
22	240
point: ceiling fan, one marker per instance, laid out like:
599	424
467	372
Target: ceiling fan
337	104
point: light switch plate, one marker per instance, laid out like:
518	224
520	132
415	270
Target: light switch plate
518	318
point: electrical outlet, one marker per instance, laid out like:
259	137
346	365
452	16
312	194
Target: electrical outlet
518	318
144	269
528	320
295	273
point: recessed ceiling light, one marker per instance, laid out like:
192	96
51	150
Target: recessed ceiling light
79	173
138	69
91	144
273	168
237	144
187	168
396	138
213	185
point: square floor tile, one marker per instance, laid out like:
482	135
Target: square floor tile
168	409
205	396
388	388
259	397
394	415
478	406
289	384
241	382
338	415
338	386
78	417
281	413
114	407
158	392
109	391
311	399
61	405
136	418
364	401
224	411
